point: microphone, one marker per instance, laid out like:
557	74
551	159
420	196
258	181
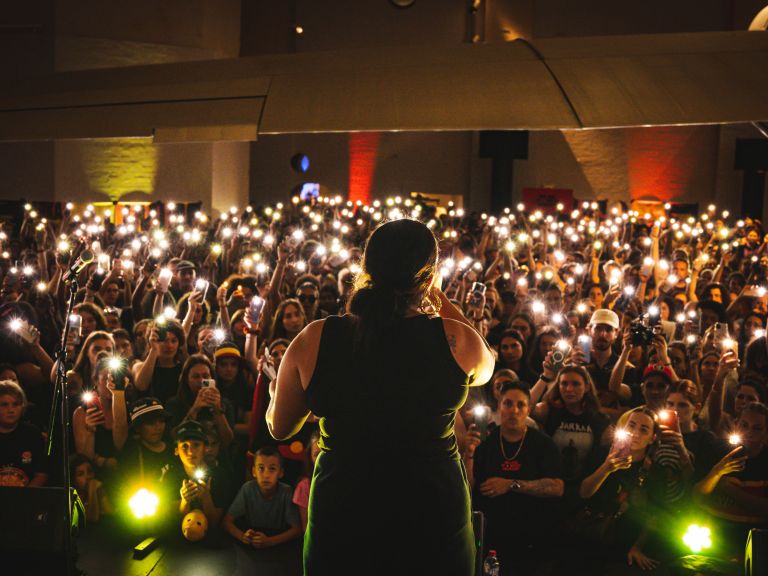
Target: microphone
85	258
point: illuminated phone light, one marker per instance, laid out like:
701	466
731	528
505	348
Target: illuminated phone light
562	345
581	308
15	324
88	397
680	318
522	282
728	343
169	312
622	435
479	410
42	286
759	333
653	310
734	439
691	339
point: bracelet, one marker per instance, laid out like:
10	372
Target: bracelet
545	379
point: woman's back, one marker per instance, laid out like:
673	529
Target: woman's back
401	393
389	478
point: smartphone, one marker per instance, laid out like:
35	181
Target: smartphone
720	331
76	327
98	279
622	442
585	343
559	353
476	294
91	399
668	419
118	369
209	383
480	416
162	328
255	308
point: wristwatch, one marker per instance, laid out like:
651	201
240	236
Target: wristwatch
515	485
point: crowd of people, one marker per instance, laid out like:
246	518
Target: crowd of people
628	398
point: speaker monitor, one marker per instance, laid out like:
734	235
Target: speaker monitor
756	553
33	525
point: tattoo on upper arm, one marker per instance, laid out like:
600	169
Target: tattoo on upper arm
452	342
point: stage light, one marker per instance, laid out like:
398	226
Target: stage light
143	503
697	538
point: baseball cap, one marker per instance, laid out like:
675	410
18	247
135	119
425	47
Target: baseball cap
658	370
605	316
145	408
184	265
191	430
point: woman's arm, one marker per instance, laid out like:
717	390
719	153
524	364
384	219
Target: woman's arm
288	408
119	418
143	371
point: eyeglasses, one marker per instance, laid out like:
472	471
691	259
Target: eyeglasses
311	298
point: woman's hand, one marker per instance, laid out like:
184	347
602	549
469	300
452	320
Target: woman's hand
93	417
260	540
733	462
614	462
211	397
729	360
637	558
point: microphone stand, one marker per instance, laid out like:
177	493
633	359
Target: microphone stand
61	401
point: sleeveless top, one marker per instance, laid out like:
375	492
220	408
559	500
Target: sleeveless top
389	484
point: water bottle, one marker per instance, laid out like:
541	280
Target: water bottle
491	566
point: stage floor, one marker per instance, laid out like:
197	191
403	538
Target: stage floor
105	551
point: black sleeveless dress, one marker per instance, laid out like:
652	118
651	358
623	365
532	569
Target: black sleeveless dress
389	492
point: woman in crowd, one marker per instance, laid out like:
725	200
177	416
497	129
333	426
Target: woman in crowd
158	374
199	398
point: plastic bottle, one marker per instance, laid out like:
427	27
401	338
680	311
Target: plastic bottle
491	566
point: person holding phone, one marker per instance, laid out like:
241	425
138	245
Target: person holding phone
93	421
623	486
198	400
735	492
410	366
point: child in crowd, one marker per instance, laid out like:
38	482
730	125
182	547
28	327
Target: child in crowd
301	493
191	482
89	488
22	457
264	505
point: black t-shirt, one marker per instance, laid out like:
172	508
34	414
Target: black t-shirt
22	455
576	436
165	382
516	516
152	462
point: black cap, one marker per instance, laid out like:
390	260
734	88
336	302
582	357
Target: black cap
145	408
191	430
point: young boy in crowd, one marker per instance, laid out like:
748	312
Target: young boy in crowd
22	455
197	484
264	505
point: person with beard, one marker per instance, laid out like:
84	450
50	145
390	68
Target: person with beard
604	329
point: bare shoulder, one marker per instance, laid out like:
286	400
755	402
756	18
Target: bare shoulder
301	355
311	334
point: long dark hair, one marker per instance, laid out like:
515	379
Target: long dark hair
590	402
398	266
